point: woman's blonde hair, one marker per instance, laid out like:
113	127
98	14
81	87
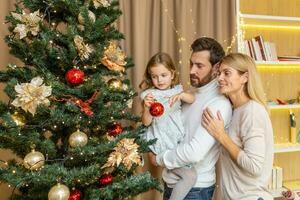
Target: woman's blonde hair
243	64
159	58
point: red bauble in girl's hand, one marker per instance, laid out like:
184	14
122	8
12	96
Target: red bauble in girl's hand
75	195
75	76
105	179
156	109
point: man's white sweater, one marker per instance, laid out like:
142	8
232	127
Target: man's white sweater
199	149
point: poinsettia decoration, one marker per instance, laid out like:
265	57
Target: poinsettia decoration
114	57
125	152
32	94
29	23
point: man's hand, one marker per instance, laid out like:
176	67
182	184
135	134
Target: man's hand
152	158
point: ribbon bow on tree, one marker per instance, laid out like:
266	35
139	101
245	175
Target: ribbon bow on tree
83	105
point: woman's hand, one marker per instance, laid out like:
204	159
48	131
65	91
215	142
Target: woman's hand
213	125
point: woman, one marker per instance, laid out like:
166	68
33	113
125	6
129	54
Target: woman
246	156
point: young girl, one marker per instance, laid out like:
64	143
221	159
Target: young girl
161	84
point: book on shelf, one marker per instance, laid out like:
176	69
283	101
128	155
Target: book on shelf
289	58
276	178
260	41
260	50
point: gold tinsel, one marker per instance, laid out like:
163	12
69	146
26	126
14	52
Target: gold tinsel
30	23
114	57
84	50
125	152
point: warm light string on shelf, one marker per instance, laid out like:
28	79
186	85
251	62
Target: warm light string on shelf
273	70
241	38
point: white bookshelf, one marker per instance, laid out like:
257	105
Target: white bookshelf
288	107
286	147
269	20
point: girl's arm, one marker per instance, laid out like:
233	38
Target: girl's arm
182	96
146	116
187	97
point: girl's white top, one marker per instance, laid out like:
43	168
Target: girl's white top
168	128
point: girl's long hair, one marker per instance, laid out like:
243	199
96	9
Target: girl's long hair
159	58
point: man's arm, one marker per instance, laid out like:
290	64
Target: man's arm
187	153
198	147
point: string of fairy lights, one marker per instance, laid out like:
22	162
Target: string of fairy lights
182	39
269	72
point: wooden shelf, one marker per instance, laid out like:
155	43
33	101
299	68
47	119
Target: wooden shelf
286	147
269	20
277	22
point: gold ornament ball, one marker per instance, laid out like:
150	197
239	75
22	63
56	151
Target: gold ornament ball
78	139
115	84
18	119
59	192
91	16
34	160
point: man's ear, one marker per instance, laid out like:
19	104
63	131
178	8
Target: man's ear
215	70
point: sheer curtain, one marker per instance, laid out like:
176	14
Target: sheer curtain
5	58
171	26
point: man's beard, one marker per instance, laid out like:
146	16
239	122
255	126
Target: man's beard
202	82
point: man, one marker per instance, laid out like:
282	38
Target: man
199	148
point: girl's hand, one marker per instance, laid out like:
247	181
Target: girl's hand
213	125
173	99
152	158
148	100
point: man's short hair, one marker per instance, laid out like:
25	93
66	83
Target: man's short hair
215	49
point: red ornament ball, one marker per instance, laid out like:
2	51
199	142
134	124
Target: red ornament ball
105	179
156	109
114	129
75	195
75	76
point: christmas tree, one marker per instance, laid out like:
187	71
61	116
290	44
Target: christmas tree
68	117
